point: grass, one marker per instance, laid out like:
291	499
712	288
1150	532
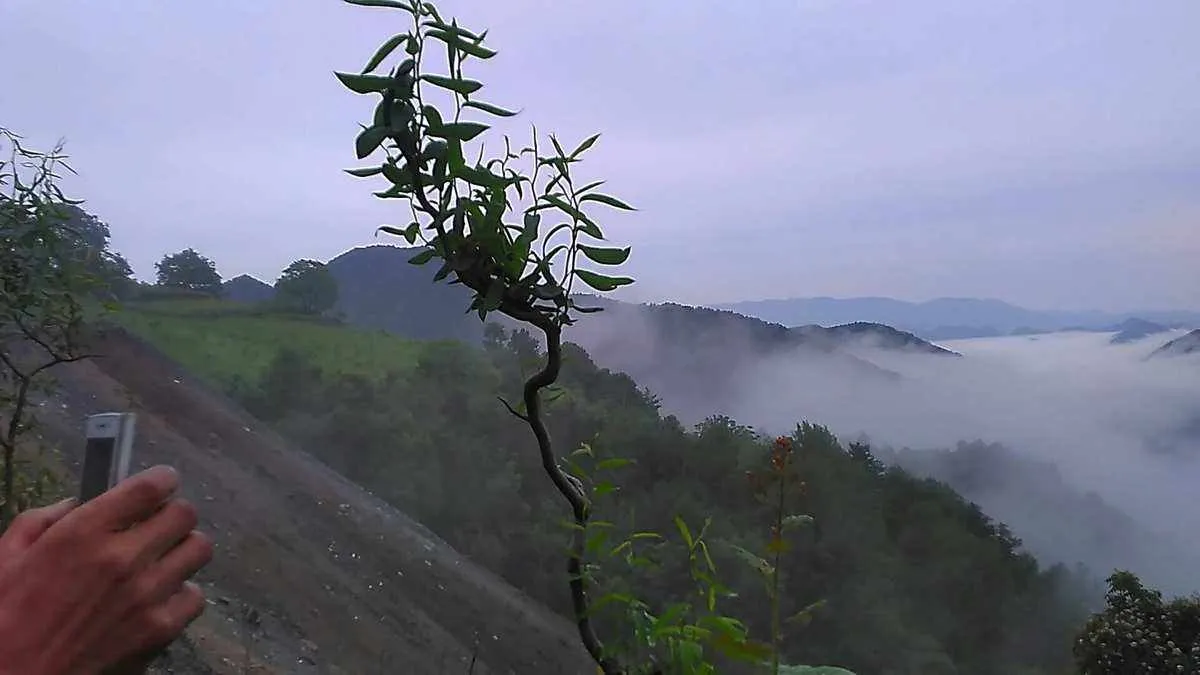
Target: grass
219	340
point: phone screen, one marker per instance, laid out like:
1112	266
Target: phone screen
97	467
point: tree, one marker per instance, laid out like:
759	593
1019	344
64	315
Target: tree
89	243
188	270
306	286
1138	633
43	283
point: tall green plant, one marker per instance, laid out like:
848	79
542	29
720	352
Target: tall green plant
460	210
44	280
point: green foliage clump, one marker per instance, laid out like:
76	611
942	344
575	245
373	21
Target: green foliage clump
306	287
1138	633
47	276
190	271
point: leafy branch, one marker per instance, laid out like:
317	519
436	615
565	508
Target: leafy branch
459	212
43	280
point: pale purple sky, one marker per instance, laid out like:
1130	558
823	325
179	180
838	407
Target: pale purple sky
1042	152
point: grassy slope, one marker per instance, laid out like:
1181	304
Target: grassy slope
219	340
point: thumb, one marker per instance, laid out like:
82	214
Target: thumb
29	525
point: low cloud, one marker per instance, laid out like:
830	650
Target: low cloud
1113	423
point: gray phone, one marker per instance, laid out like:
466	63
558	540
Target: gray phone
107	456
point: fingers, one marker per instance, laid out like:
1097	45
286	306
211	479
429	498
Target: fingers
31	524
168	620
131	501
150	540
165	577
155	627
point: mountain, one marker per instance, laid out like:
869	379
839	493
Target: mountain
700	360
1187	344
247	289
873	335
377	288
1132	330
944	318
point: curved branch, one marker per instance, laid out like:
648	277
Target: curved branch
571	491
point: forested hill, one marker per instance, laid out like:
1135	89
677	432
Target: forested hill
910	577
1055	520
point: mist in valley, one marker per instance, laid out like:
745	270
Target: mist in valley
1088	450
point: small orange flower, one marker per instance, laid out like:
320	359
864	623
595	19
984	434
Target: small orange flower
780	450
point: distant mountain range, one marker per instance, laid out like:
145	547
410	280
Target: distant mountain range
664	345
949	318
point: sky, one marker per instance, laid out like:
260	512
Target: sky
1041	152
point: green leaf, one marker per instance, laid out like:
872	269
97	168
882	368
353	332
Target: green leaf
422	257
613	463
395	192
396	4
433	117
605	256
600	282
472	48
481	177
464	87
589	186
365	171
409	233
805	616
561	204
584	146
606	199
460	131
603	487
365	84
385	50
684	532
397	175
368	140
532	220
452	28
489	108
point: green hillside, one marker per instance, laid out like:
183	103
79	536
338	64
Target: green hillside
225	341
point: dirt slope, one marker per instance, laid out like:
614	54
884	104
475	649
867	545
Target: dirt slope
338	581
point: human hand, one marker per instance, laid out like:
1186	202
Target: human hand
88	587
